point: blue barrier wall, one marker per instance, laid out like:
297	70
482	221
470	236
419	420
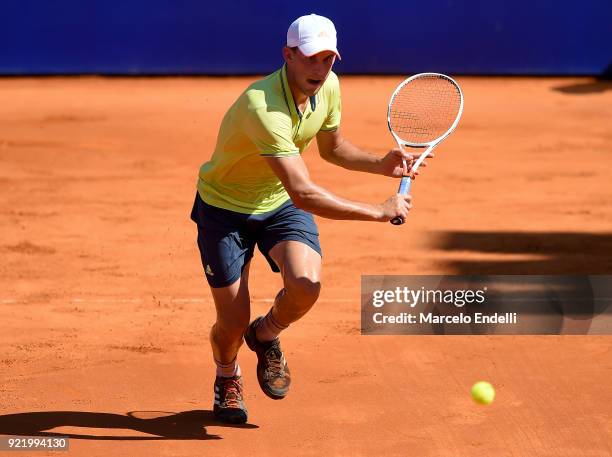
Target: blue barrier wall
245	37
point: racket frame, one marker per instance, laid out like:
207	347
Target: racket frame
405	183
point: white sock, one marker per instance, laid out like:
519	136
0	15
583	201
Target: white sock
228	370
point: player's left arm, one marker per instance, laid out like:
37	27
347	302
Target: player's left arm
336	149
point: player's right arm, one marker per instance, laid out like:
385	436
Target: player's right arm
310	197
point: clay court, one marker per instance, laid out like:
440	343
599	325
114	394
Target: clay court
105	310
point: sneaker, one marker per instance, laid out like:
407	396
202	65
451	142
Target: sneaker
229	405
272	370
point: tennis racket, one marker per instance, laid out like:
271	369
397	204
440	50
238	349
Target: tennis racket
423	110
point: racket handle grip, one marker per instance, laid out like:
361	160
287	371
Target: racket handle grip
404	188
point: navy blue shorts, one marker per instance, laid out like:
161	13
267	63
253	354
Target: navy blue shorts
227	239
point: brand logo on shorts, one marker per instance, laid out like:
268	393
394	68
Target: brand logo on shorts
209	271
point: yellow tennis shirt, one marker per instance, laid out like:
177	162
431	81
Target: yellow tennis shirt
264	121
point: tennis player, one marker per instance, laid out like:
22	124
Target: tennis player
256	190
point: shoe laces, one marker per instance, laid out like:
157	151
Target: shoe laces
276	365
232	392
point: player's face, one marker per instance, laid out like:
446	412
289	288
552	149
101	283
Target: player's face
309	73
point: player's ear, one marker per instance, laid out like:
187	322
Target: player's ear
288	54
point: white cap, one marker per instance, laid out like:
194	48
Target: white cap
313	34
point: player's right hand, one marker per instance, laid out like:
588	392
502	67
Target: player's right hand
394	206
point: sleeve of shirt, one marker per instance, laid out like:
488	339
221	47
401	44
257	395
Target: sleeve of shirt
271	132
332	121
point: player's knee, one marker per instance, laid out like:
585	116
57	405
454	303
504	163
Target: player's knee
303	290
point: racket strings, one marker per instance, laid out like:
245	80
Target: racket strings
424	109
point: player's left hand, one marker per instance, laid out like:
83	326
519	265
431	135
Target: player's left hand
397	163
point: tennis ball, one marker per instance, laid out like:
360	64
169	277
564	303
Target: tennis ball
483	393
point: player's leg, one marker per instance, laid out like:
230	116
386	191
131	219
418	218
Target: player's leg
291	246
226	250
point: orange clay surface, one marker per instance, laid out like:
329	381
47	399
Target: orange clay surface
105	311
